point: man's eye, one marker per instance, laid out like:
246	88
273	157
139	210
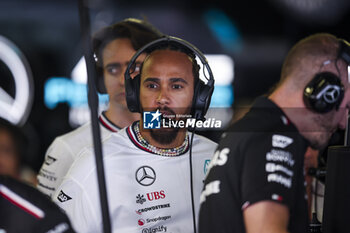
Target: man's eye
177	86
113	70
151	85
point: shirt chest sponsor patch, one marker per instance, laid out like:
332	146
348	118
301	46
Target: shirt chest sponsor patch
152	208
49	160
206	165
151	196
142	222
62	197
281	141
145	175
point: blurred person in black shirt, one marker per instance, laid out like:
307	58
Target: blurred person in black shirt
256	179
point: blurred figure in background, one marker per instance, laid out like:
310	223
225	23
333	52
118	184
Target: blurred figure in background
12	151
25	209
113	47
256	181
22	207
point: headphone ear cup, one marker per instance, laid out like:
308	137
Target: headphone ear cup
324	92
100	84
201	100
132	92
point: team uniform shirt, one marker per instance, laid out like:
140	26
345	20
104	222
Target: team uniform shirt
63	152
148	188
260	158
25	209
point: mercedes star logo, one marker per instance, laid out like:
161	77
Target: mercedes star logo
331	94
15	107
145	175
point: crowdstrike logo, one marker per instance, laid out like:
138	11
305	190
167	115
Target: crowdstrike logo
154	120
151	208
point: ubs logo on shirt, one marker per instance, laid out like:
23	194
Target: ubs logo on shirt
140	199
153	196
156	195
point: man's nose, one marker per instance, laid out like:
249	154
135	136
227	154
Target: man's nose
163	98
121	76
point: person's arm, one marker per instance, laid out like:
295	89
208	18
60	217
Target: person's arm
77	195
266	216
58	160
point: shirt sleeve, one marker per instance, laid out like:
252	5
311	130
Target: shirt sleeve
58	160
77	204
270	169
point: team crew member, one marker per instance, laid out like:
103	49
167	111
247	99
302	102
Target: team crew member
13	143
148	173
113	46
256	178
25	209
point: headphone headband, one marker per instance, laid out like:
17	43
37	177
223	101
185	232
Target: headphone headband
202	92
168	40
344	51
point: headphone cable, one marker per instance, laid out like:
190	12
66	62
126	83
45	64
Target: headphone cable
191	181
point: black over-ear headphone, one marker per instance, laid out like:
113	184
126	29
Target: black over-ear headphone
325	91
202	92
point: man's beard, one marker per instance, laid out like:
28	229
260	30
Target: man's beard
164	136
319	138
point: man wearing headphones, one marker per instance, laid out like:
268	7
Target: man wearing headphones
256	178
113	48
153	174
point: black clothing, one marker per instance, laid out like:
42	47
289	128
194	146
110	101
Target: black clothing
260	157
25	209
